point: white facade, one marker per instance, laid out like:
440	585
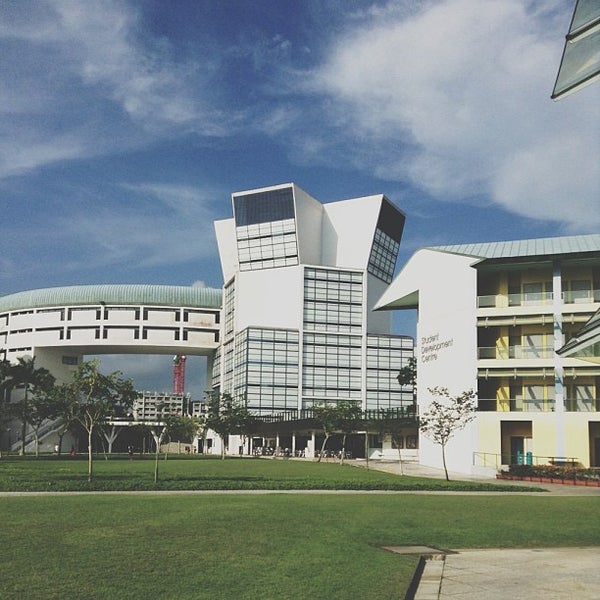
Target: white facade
298	328
490	319
293	326
58	326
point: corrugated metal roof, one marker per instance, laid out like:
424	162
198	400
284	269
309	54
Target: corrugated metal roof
153	295
520	248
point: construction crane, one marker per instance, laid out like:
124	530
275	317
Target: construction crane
179	374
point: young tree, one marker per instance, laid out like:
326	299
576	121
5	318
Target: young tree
327	417
336	417
24	375
183	428
96	397
349	415
64	411
407	376
41	408
447	416
158	433
395	429
4	393
226	416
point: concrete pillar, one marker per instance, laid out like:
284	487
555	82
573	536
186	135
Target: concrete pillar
559	399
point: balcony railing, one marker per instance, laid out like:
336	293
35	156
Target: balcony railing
536	299
509	300
582	404
516	405
581	297
549	405
517	352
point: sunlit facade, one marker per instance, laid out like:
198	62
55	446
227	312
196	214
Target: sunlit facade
301	279
494	318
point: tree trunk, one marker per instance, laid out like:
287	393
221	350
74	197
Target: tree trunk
400	459
37	443
444	461
323	448
156	463
90	454
23	435
343	450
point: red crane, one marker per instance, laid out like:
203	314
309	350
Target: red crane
179	374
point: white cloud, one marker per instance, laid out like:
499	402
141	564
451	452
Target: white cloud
455	98
83	79
161	225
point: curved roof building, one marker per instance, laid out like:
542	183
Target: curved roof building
125	294
61	325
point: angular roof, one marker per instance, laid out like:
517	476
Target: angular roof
403	292
153	295
586	343
522	248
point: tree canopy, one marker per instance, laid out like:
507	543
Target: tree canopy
227	415
95	397
342	416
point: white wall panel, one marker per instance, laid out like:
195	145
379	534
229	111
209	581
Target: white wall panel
309	215
271	298
348	231
226	241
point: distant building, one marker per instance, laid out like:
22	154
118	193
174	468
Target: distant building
301	279
494	317
152	406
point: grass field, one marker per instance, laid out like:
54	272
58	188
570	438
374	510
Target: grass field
220	546
237	546
208	473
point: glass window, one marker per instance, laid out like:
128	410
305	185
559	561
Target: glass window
263	207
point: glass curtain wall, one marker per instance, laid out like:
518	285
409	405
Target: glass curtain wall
266	369
332	341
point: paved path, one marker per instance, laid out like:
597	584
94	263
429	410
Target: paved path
416	470
515	574
524	574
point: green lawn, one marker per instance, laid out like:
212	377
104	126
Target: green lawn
283	546
208	473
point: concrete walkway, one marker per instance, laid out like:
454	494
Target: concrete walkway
524	574
515	574
416	470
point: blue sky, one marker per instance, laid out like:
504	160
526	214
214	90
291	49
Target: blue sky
125	127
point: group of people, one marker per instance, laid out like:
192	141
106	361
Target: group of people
285	452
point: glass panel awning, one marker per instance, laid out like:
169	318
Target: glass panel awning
580	63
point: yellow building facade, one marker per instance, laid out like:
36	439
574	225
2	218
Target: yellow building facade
513	308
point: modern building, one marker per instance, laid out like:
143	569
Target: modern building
301	279
495	318
59	326
293	326
153	406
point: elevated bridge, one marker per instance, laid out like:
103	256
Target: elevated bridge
58	326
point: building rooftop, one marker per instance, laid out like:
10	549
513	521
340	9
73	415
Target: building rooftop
121	294
523	248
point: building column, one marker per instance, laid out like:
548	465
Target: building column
559	396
